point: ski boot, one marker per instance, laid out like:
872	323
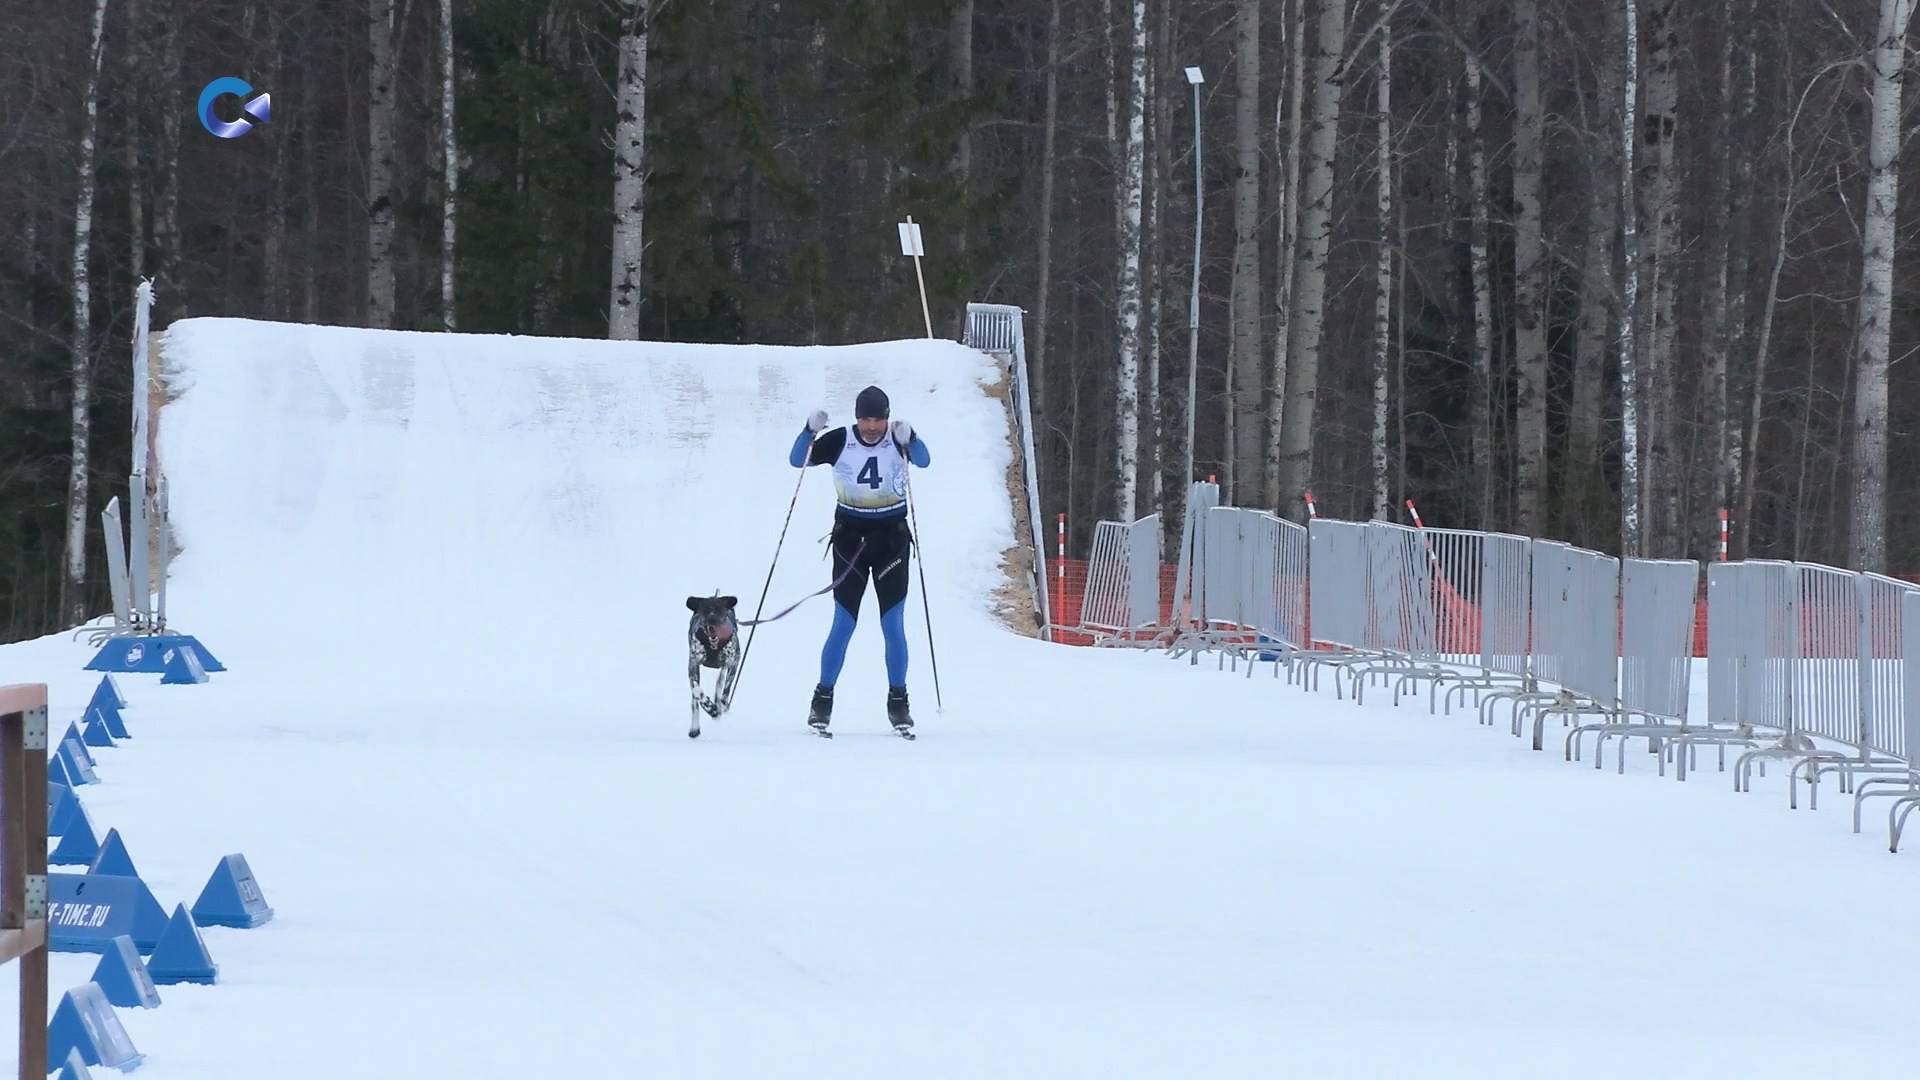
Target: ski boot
822	710
897	712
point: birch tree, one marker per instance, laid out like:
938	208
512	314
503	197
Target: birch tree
1249	369
1307	317
1529	277
629	172
1383	271
1873	323
1050	126
380	112
1657	375
1127	378
450	165
73	584
1479	229
1629	296
1287	140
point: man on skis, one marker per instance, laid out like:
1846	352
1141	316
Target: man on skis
870	538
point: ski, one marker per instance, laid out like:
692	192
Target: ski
905	733
822	732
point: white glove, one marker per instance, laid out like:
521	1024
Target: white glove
902	434
817	421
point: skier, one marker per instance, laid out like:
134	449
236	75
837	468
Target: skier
870	538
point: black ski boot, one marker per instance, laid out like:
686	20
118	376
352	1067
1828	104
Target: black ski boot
822	710
897	711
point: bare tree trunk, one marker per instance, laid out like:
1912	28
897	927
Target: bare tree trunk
450	157
380	112
1037	363
1288	136
629	173
1478	242
1127	378
1873	324
166	211
1154	446
1383	272
1530	278
136	179
1740	265
1658	372
1249	367
1310	271
1630	297
73	584
960	72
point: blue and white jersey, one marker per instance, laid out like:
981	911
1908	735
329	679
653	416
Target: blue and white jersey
870	482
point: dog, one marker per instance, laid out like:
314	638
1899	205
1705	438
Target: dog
713	641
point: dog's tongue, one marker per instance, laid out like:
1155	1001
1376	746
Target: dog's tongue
721	632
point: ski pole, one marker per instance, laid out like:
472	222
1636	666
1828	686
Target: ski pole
939	705
754	628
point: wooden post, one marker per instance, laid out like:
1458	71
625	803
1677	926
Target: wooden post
23	860
911	244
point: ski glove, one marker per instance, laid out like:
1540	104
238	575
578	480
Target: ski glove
902	434
817	421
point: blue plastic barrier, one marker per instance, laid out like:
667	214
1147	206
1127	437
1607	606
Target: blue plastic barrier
107	695
78	765
149	655
60	803
183	668
78	843
72	734
75	1068
113	858
181	955
123	977
85	912
57	770
116	725
232	897
86	1023
95	733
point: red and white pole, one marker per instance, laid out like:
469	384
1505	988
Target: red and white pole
1311	513
1723	534
1060	575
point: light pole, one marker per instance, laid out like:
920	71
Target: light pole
1193	300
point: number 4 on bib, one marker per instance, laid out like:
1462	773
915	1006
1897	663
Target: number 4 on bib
870	473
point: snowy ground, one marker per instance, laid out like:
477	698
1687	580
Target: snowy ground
447	576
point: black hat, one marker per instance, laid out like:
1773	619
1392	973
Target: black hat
872	403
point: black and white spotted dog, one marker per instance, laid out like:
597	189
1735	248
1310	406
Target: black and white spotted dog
713	641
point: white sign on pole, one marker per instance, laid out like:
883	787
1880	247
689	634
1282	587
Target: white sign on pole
910	243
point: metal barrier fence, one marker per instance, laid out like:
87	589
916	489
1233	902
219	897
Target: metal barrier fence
1656	630
1806	664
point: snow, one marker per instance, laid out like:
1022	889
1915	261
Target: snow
446	574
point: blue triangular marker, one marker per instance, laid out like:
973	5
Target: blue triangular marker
183	667
57	770
201	655
116	726
75	1068
232	897
181	956
73	733
123	978
78	844
107	695
73	756
86	1024
96	733
60	805
112	858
